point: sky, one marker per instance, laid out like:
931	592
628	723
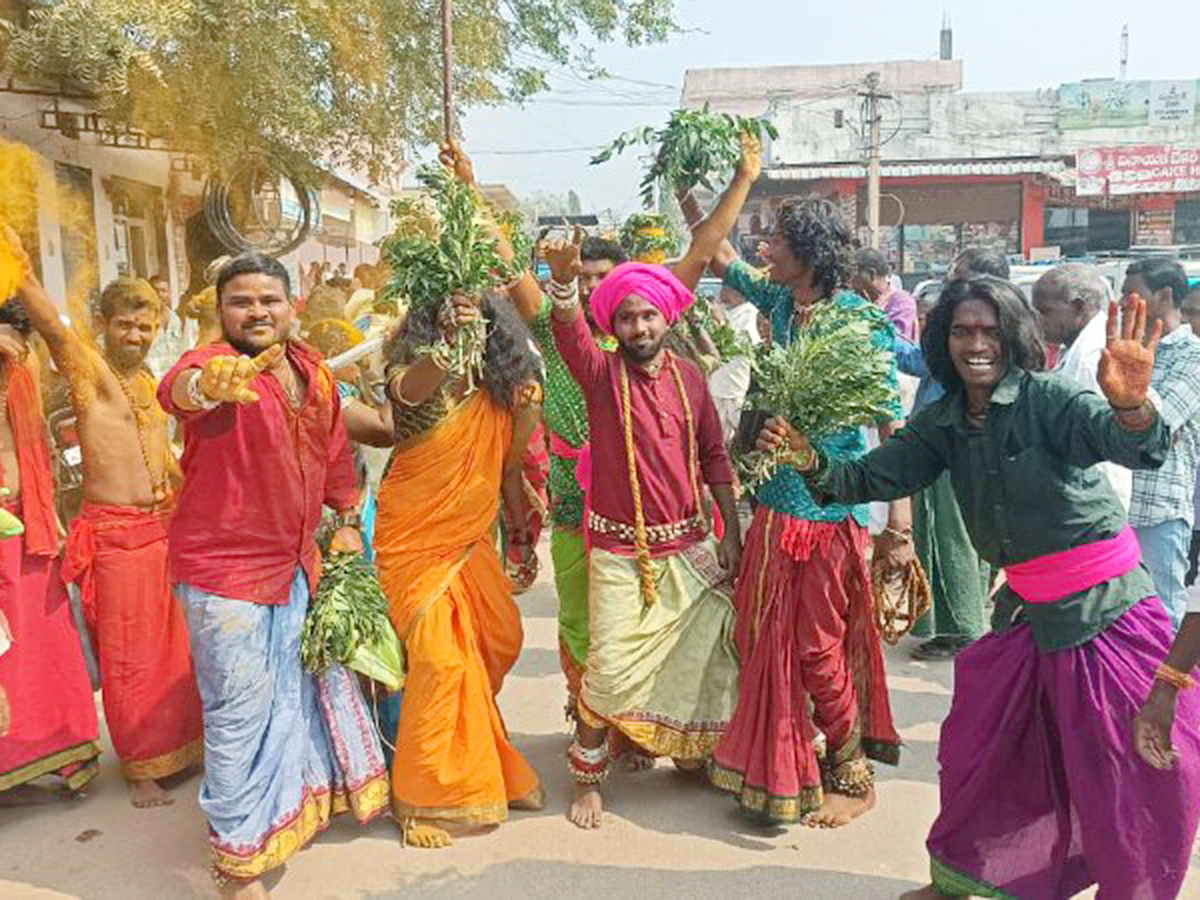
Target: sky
1004	44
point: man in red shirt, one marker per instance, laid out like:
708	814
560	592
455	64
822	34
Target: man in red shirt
662	666
264	448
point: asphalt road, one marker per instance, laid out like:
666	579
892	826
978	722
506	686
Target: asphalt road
664	835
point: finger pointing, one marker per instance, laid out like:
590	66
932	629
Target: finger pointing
268	358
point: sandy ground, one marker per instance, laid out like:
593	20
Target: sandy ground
664	835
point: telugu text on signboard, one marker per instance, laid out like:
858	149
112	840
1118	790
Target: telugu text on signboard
1138	169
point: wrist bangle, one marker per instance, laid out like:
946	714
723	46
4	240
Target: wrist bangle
563	296
1170	675
903	533
196	395
801	460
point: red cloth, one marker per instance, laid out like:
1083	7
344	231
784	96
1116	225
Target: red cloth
805	632
255	478
54	726
119	557
660	436
33	459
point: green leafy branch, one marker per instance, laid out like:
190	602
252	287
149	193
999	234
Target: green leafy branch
830	378
695	147
443	243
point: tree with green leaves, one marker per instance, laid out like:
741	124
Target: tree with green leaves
348	81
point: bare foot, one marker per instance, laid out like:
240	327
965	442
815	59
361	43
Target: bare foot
929	892
838	810
426	836
145	794
586	811
535	802
251	890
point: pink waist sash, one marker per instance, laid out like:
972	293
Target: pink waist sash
1056	575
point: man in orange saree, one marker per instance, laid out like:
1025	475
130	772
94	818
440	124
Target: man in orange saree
436	556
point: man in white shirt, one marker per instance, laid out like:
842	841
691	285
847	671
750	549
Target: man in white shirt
1072	300
731	381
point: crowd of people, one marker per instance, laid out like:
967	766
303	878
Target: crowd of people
1038	457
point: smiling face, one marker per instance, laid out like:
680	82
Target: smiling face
128	335
785	268
976	347
640	329
256	312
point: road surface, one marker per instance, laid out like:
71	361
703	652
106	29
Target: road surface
664	835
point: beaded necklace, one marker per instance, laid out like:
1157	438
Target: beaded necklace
641	540
141	418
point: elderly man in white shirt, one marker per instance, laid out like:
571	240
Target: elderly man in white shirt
1073	302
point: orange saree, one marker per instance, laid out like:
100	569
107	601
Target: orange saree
452	606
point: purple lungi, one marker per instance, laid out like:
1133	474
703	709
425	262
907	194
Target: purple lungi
1042	791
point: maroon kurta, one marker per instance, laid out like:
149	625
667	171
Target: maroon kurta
660	432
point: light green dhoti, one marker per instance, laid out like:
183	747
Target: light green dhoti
568	552
665	674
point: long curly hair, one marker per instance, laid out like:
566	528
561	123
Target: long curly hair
1020	330
817	235
510	359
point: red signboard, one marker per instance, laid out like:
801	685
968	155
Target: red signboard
1142	169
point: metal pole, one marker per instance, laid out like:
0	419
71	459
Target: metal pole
874	166
448	68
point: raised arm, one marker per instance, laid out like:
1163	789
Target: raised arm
724	255
525	293
572	335
710	235
1127	429
72	356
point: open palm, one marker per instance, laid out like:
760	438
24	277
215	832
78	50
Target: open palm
1128	358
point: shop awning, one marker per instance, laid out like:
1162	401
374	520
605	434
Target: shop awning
959	168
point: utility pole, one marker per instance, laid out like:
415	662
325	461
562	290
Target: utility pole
874	122
448	69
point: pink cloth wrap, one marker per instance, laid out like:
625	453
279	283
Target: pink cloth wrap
583	474
1056	575
656	285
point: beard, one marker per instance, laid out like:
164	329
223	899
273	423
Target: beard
125	359
248	347
641	355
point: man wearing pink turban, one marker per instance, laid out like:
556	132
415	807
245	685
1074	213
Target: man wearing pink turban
662	668
657	285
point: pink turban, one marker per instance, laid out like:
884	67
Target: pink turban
656	285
